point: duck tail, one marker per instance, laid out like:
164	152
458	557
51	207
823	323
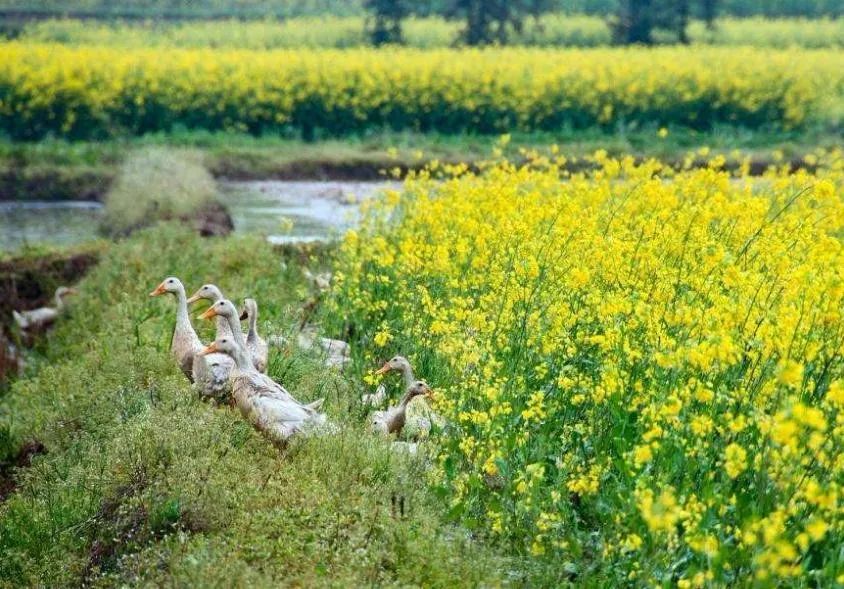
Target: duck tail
315	405
20	320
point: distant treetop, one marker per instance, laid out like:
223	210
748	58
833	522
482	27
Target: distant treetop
291	8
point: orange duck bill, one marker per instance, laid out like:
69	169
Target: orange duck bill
159	290
209	314
209	349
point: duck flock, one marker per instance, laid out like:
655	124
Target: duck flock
232	370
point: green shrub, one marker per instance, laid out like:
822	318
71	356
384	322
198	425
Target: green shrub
157	184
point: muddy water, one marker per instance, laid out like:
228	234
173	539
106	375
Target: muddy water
288	212
53	223
284	212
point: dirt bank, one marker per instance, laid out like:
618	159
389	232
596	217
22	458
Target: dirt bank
27	281
67	183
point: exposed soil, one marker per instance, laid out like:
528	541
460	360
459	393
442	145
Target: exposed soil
213	220
319	170
56	184
17	182
11	360
23	459
28	283
124	523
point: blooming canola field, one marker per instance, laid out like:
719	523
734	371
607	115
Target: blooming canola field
90	91
640	367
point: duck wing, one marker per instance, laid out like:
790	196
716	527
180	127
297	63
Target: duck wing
281	410
377	398
37	318
212	375
261	384
380	422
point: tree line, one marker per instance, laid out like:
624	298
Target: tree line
249	9
494	21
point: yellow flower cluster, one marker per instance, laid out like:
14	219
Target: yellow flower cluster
667	346
84	91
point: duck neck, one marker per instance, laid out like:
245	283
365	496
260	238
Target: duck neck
223	329
405	400
242	359
182	318
237	331
59	301
253	322
407	373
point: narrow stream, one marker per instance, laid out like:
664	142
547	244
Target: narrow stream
289	212
285	212
52	223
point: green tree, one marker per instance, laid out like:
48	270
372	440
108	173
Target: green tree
682	21
637	20
491	21
709	10
634	22
384	23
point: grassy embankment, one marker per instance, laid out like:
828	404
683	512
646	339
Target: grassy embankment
64	170
143	483
550	30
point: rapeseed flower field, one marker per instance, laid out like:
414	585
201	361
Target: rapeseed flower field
639	368
90	91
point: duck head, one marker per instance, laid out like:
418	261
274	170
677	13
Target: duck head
170	284
250	309
395	363
223	308
207	292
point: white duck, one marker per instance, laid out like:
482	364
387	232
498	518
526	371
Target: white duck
375	399
211	371
212	293
336	353
392	420
419	425
264	402
397	363
45	316
185	343
226	309
254	342
321	281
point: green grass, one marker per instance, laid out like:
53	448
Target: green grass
58	169
555	29
144	484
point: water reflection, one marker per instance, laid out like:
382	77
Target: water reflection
288	212
285	212
52	223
